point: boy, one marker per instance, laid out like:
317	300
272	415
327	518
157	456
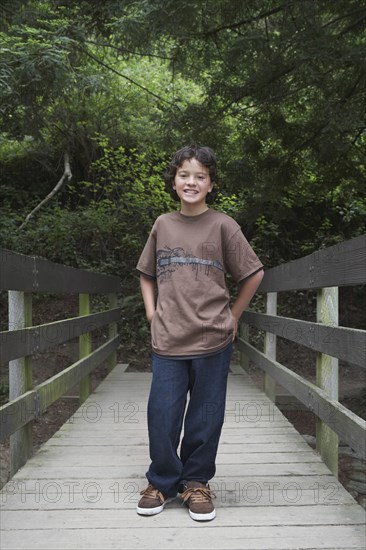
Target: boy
187	255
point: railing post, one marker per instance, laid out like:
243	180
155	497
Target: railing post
244	334
20	378
84	346
112	332
270	342
327	378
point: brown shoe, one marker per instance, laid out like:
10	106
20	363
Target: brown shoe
152	501
198	497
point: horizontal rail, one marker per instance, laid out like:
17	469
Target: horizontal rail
23	409
32	274
350	427
37	339
345	343
343	264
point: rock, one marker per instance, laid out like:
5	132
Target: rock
359	466
357	476
355	466
358	486
346	451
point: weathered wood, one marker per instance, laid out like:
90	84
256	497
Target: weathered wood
20	378
248	464
339	265
329	514
270	346
32	274
17	413
87	492
327	378
350	427
243	332
262	492
339	537
40	338
84	346
348	344
112	332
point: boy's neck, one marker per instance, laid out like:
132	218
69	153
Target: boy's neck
193	210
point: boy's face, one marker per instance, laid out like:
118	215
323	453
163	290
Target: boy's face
192	182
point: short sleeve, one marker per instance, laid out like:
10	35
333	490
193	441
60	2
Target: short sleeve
239	258
147	261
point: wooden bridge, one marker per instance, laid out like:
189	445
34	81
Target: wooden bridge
273	491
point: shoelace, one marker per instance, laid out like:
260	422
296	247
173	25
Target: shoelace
198	494
152	492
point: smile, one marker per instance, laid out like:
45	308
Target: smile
191	191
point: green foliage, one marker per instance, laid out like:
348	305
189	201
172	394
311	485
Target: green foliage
107	220
277	89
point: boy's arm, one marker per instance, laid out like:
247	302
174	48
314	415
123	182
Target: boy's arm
246	293
148	293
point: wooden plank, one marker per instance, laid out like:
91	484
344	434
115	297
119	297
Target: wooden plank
141	441
110	494
20	378
76	431
84	348
339	537
327	379
32	274
339	265
244	465
350	427
138	443
270	347
112	331
243	331
100	518
17	413
40	338
95	456
348	344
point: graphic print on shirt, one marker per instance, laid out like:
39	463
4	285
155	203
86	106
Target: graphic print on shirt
168	260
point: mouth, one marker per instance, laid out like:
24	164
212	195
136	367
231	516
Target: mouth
190	191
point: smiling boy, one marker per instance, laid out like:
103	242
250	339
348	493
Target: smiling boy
187	257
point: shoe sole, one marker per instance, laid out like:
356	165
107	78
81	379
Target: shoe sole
202	517
153	511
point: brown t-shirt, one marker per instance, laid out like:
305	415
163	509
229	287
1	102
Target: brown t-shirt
189	257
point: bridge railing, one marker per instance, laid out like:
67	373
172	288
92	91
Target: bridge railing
22	276
324	271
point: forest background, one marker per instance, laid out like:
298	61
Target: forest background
98	95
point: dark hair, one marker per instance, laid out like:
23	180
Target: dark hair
204	155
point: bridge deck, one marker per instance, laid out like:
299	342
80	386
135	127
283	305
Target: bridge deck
81	488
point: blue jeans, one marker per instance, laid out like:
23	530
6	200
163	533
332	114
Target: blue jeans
205	380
